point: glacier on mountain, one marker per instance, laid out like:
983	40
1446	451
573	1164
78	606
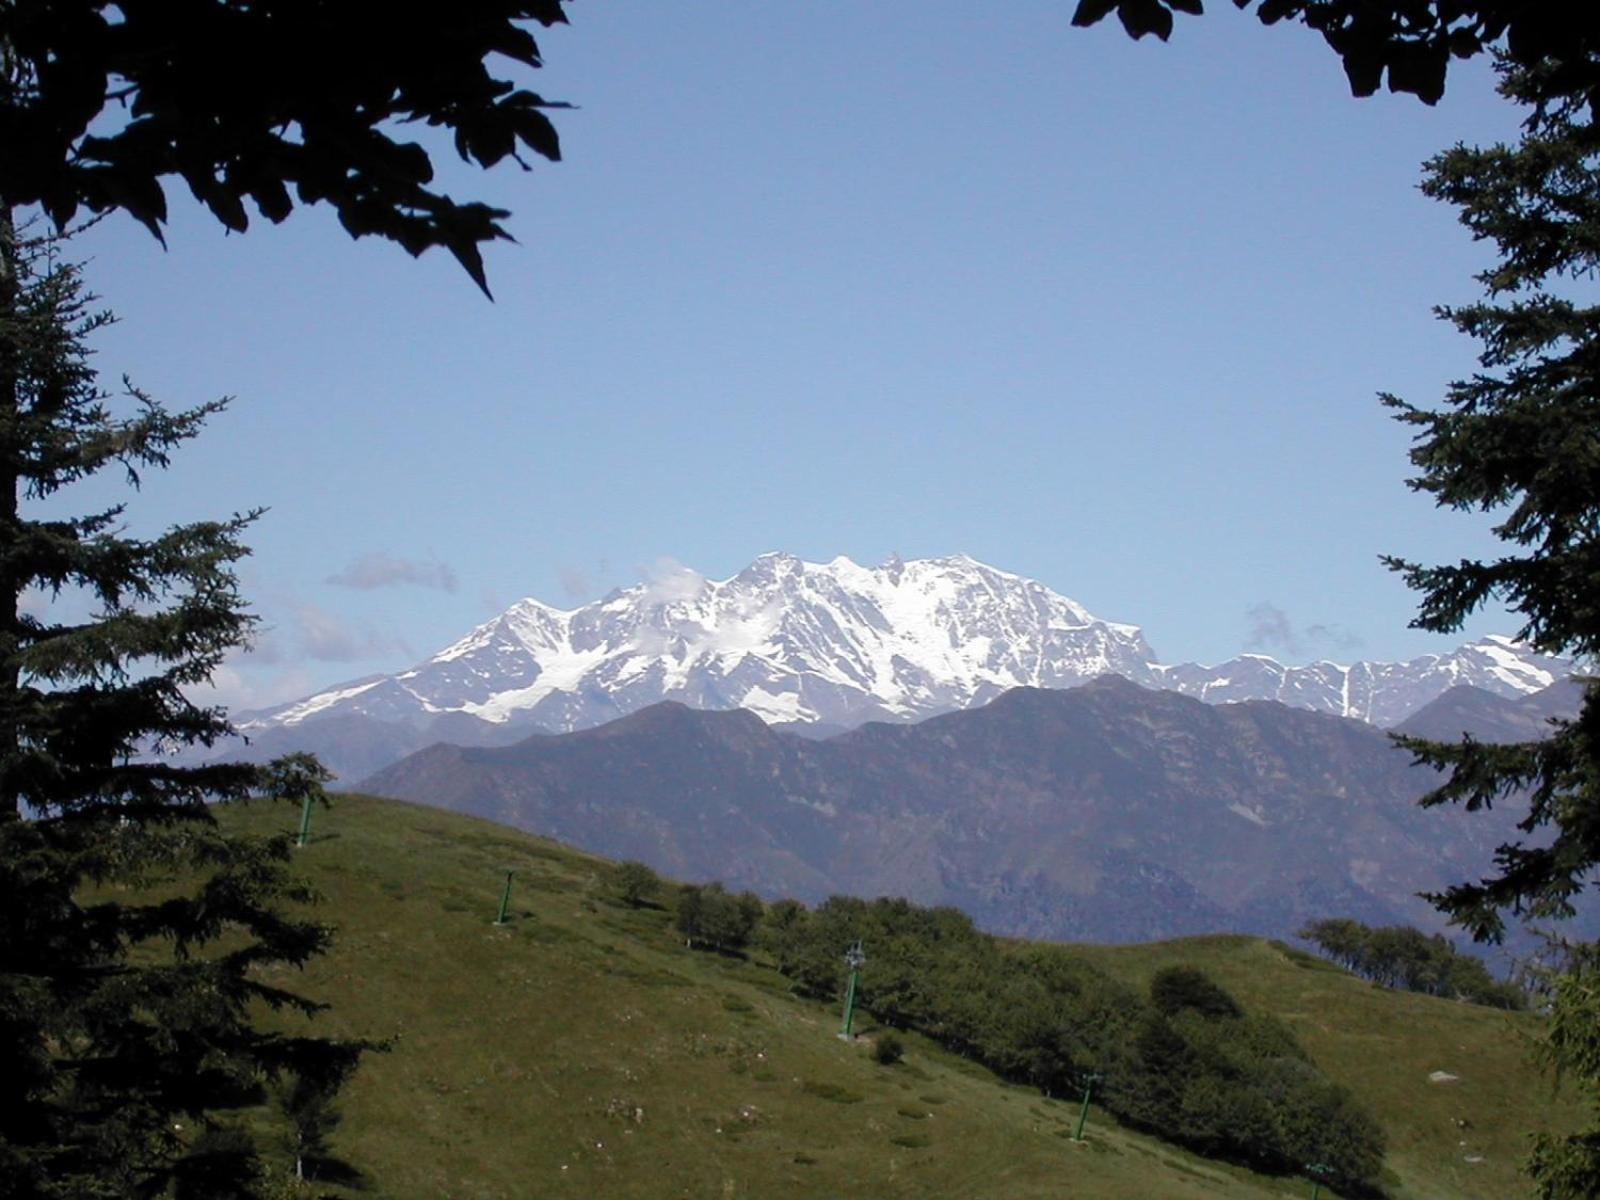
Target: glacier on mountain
836	644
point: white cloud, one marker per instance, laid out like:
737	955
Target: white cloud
1271	629
667	580
372	571
575	584
240	689
325	637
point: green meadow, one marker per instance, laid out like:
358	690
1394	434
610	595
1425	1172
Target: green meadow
582	1050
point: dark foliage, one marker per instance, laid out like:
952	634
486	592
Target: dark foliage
637	884
1409	43
308	1099
268	103
1521	438
887	1049
1187	1063
133	931
1174	989
715	918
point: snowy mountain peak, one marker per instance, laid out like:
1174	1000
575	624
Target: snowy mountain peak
791	640
838	643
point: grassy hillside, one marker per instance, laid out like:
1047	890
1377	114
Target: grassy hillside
581	1050
1457	1137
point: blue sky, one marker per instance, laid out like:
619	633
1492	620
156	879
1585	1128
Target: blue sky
845	278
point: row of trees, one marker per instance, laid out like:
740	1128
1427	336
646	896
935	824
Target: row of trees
1399	956
1183	1060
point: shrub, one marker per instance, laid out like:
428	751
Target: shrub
888	1050
1176	988
715	918
636	883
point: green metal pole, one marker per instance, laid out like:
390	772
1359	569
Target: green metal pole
850	1004
1083	1113
305	823
854	958
505	900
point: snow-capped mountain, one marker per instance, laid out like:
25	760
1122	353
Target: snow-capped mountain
832	643
1376	692
835	644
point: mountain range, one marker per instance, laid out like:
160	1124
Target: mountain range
819	648
1107	812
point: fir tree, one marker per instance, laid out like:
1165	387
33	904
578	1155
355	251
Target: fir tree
132	927
1521	438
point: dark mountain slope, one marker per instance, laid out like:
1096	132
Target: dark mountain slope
1108	812
1492	718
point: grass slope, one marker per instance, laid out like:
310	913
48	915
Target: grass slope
580	1050
1455	1138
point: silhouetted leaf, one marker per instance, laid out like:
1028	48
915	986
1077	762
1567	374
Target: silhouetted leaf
1363	67
278	101
272	198
1464	43
1419	70
1140	17
1273	11
1090	12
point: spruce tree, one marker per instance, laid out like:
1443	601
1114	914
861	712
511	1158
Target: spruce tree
1521	438
132	927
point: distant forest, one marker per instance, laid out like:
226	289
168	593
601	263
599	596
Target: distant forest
1399	956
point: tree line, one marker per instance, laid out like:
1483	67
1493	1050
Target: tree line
1399	956
1180	1059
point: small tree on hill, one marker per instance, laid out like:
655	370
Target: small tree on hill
714	917
128	1026
308	1099
636	883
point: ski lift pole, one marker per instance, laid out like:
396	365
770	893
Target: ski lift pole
505	901
305	821
1083	1113
1318	1172
854	958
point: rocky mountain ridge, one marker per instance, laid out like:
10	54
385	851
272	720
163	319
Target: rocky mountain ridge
824	646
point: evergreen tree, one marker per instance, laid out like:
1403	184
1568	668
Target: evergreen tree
1522	438
131	926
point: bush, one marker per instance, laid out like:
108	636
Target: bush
888	1050
1176	988
715	918
636	883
